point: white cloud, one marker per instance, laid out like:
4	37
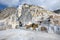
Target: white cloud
48	4
9	2
52	4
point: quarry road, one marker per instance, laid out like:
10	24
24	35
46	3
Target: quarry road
19	34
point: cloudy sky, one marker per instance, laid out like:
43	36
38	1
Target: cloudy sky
47	4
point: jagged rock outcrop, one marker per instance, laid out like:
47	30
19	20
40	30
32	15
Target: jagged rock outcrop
57	11
0	11
8	18
35	14
25	15
7	12
29	14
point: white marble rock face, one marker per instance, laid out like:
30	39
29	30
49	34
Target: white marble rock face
32	13
25	15
29	13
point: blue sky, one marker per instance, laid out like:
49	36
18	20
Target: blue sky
47	4
2	6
